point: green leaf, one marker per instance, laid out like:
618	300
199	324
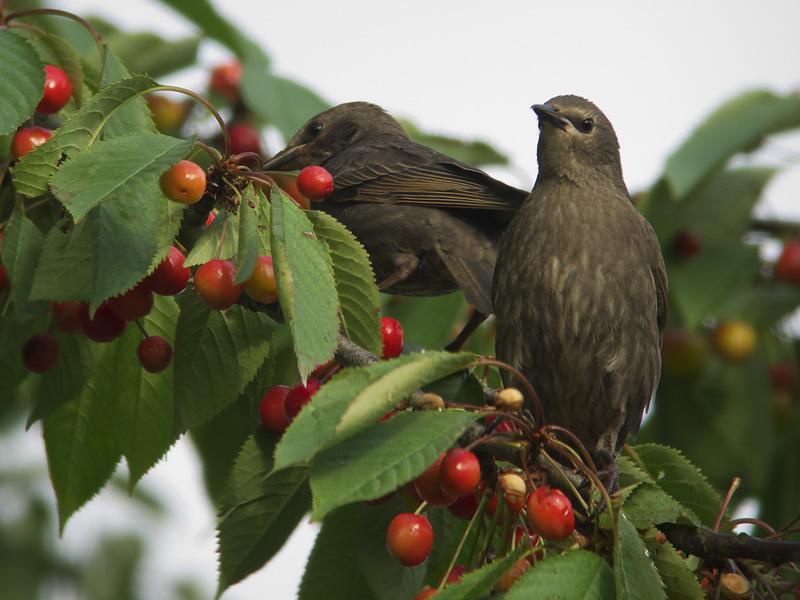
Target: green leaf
22	245
574	575
634	572
355	398
21	79
355	282
736	126
761	307
479	582
427	322
119	169
679	478
13	335
383	457
476	152
134	116
270	505
145	52
249	242
217	353
82	450
704	283
66	265
33	172
781	496
679	581
306	288
219	240
54	49
141	402
649	505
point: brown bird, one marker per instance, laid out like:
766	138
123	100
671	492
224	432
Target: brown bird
430	223
580	290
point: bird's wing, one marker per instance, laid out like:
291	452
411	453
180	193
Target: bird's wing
660	279
399	171
474	277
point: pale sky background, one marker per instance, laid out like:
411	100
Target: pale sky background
470	69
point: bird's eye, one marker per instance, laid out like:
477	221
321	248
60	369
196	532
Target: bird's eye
314	129
587	125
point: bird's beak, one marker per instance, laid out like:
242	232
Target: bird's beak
283	160
548	114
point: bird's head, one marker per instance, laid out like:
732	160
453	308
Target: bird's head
331	132
576	140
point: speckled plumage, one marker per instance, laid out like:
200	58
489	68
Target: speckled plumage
580	286
429	222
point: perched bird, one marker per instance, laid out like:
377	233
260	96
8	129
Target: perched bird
580	290
429	222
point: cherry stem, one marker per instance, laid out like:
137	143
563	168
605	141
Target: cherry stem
733	523
554	464
735	483
141	328
574	439
226	138
478	511
421	507
54	12
257	176
211	151
485	360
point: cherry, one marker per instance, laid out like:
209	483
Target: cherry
456	573
299	396
783	376
184	182
428	485
686	244
734	340
104	325
40	353
392	333
460	473
168	115
426	593
261	285
210	219
513	488
70	317
225	80
788	266
464	507
3	277
133	304
550	513
170	276
244	138
409	538
272	408
57	90
289	185
509	399
213	282
155	353
27	139
529	540
315	183
684	352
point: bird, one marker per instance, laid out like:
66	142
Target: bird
580	288
429	223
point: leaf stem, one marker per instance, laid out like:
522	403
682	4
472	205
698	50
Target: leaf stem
478	514
226	138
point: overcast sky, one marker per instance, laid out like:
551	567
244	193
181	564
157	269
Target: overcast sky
471	69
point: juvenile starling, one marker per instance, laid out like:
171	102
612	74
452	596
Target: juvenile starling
580	288
429	222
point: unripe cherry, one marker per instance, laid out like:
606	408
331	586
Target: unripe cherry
184	182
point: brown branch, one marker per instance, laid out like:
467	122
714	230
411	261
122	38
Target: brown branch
350	354
707	544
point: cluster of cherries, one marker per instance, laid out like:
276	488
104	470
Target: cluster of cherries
281	404
57	92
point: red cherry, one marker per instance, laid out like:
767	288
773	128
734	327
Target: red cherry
272	408
104	325
456	573
289	185
460	473
464	507
213	281
155	353
783	376
133	304
788	266
409	539
3	278
210	219
170	276
426	593
315	183
244	138
550	513
686	244
70	317
225	80
299	396
428	485
40	353
184	182
27	139
57	90
261	285
392	333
